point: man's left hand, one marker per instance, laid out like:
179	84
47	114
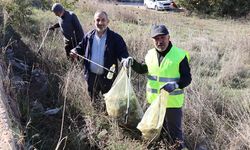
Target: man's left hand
126	62
51	28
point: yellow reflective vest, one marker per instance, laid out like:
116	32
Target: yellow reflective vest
168	71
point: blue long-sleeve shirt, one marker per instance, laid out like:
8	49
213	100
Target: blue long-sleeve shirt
97	55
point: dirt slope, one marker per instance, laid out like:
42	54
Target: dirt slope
6	137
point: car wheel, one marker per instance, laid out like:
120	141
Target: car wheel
156	8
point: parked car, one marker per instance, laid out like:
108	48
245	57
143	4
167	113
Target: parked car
159	4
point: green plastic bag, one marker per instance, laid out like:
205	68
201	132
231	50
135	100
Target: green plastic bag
152	121
116	101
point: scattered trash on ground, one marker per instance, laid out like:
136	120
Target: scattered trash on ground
52	111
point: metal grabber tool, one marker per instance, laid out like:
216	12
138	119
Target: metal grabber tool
128	84
39	49
93	62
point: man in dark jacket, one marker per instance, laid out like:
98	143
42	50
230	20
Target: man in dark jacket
167	67
102	46
69	25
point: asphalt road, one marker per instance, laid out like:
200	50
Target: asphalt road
141	6
130	4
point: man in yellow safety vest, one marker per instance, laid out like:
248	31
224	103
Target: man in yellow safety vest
167	67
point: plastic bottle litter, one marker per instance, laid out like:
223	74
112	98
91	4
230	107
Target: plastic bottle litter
111	74
52	111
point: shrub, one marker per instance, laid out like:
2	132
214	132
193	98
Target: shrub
19	16
43	4
218	7
70	4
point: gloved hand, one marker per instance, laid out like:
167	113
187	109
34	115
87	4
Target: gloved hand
51	28
170	86
126	62
73	53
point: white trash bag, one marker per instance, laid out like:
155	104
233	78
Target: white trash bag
152	121
116	101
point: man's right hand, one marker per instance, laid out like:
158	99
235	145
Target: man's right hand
51	28
170	86
73	54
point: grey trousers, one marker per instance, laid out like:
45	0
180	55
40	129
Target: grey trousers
173	124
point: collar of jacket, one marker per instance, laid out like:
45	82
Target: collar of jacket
90	37
64	14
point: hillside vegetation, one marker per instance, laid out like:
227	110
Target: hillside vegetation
229	8
217	107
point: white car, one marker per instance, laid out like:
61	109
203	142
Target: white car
158	4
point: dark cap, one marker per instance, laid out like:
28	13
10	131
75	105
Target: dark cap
57	7
159	30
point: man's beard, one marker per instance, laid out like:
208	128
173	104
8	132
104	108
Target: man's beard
160	49
101	29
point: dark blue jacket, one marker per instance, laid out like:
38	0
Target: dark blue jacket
115	49
70	27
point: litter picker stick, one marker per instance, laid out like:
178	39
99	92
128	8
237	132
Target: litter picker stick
39	49
75	37
93	62
72	42
128	88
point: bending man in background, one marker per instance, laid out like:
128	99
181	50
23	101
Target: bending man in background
70	27
167	67
102	46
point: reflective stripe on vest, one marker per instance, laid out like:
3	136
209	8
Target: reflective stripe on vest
152	77
162	79
176	92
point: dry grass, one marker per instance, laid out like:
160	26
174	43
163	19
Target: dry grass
101	131
217	109
217	106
